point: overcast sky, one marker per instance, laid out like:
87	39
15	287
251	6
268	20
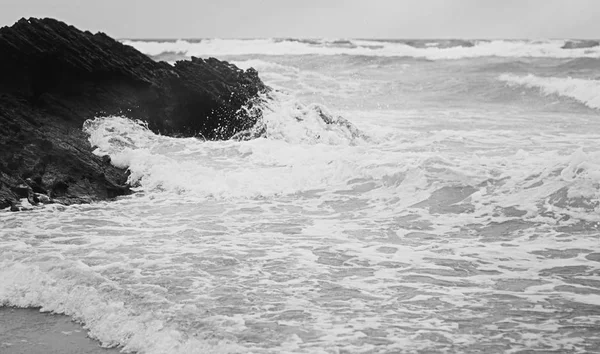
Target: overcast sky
319	18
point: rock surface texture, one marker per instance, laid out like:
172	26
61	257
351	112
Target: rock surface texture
53	77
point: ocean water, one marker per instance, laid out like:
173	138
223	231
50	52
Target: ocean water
462	217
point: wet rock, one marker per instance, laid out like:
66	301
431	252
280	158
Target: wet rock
55	77
22	190
32	199
77	75
329	119
4	203
36	184
42	198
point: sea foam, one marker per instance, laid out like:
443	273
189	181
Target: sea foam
415	238
301	147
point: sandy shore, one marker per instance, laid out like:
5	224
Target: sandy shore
29	331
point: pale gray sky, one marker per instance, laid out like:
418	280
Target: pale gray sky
319	18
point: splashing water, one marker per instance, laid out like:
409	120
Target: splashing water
457	212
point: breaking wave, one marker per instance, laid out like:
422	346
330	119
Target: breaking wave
259	167
77	290
582	90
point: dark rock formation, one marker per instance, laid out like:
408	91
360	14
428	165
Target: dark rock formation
74	73
53	77
43	158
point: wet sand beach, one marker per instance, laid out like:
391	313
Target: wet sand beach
29	331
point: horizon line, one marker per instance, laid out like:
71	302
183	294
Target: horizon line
368	38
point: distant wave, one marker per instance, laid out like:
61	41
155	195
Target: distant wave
432	50
582	90
260	65
580	44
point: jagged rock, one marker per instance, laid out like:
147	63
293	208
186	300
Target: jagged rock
42	198
329	119
54	77
22	190
77	75
27	166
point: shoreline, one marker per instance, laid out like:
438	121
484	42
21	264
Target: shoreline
29	331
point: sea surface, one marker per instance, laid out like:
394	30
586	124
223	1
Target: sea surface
463	217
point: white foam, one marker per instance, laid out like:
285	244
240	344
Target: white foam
313	241
287	119
71	288
294	157
586	91
499	48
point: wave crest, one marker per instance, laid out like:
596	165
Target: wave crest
284	118
582	90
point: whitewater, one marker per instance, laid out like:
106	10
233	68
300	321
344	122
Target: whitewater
457	212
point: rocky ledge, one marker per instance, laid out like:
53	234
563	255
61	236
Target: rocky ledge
54	77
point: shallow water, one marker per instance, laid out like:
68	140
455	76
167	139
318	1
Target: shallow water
462	221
